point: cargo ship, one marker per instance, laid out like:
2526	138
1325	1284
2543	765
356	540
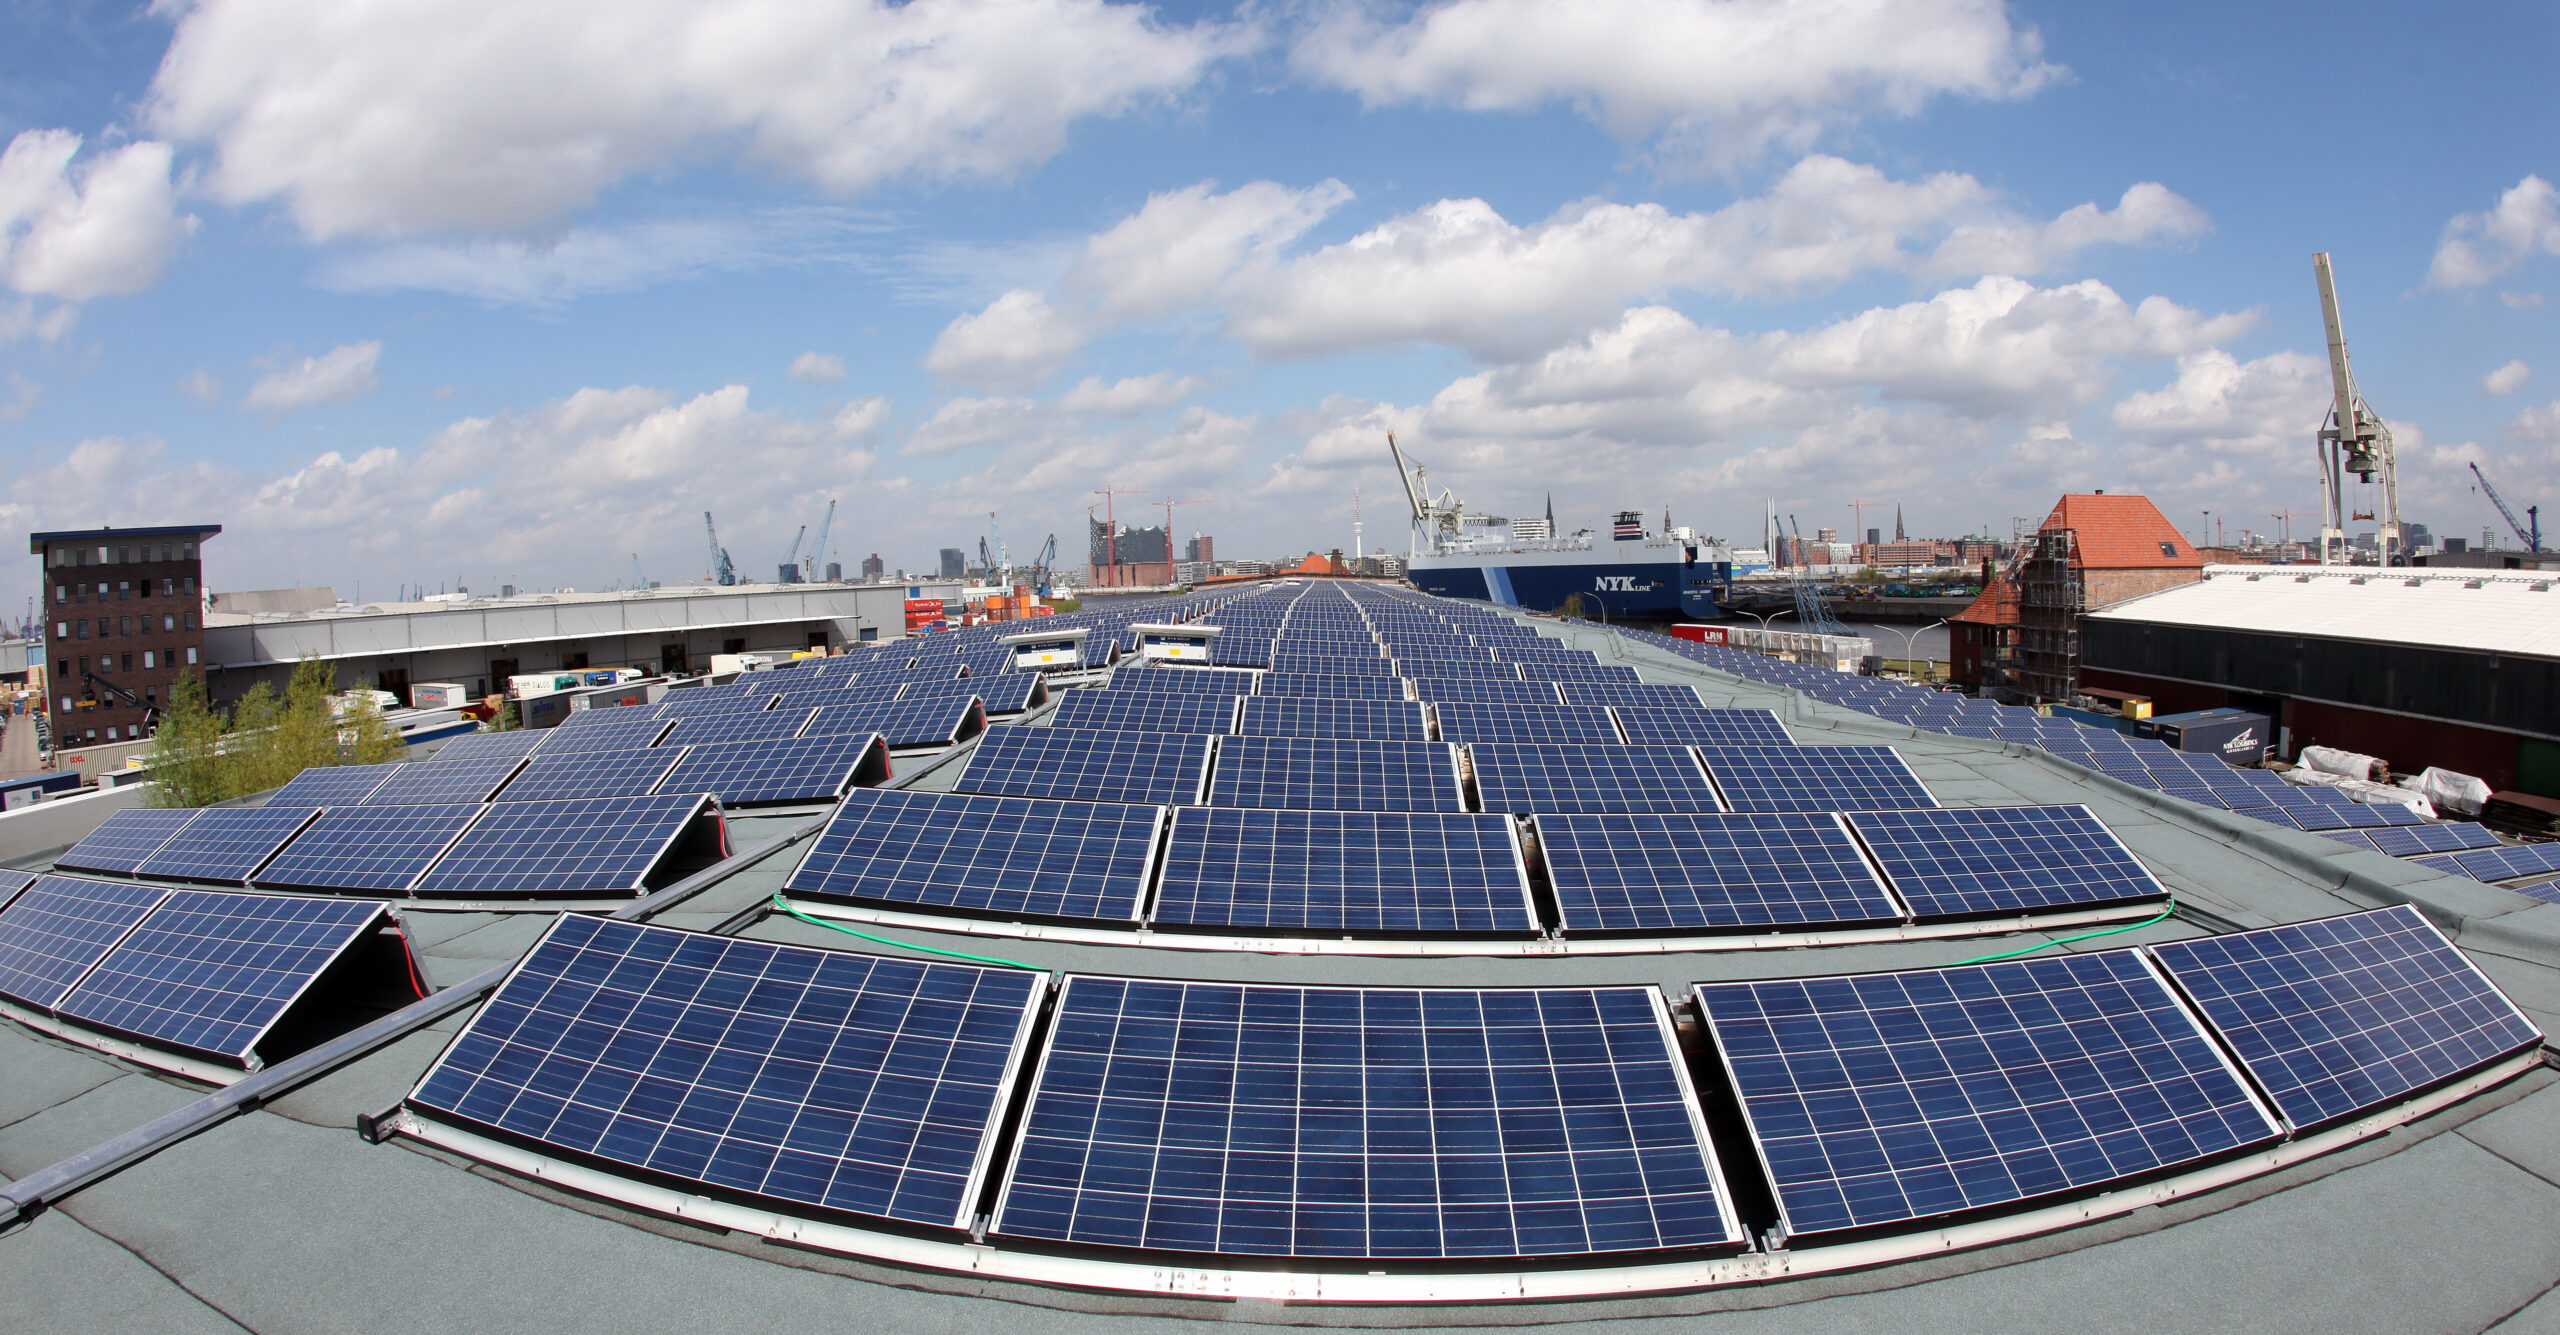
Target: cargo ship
1632	571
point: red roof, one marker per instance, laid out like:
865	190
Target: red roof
1996	605
2122	533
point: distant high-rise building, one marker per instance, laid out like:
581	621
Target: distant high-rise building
1201	547
2418	535
1826	535
1875	536
873	567
112	674
955	563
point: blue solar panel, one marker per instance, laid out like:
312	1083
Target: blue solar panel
11	882
1162	769
1644	695
1567	673
1523	780
1336	774
377	850
469	780
998	855
210	973
1549	725
2497	864
1363	1122
701	703
1814	778
2345	1015
804	769
1493	690
722	728
1459	669
1332	688
615	733
1145	711
1966	861
1284	659
547	777
1653	871
2317	817
1301	716
1692	726
812	1080
906	725
226	844
2408	841
1192	681
1887	1098
1361	872
1011	693
587	846
331	786
516	742
61	926
125	840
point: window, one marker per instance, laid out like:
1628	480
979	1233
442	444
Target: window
127	662
106	555
84	628
62	667
127	627
191	621
164	552
187	552
102	591
61	594
191	655
80	556
168	588
2168	549
191	586
55	556
168	621
147	663
66	704
124	590
90	734
80	593
84	665
62	630
125	554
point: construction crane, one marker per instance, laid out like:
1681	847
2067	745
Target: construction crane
2355	440
1111	522
2284	519
1003	557
986	563
721	571
1169	556
2529	532
1858	511
638	580
809	564
791	559
1039	572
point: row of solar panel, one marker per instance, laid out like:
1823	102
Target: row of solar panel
1216	1119
1640	719
739	773
929	723
202	973
1389	873
546	849
1430	690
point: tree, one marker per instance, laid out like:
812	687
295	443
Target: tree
186	749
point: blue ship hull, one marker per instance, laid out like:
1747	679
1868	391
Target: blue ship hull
1650	589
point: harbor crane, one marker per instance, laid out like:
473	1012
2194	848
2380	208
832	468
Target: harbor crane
2354	440
2529	532
1442	516
721	571
1002	561
791	559
818	555
1040	576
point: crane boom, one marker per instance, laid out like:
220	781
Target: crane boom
2355	440
721	571
818	555
2528	533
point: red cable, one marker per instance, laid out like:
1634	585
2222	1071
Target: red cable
410	958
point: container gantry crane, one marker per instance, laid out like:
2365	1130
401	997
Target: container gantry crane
2355	440
818	556
721	571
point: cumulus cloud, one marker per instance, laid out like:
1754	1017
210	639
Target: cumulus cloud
1129	396
2506	379
1722	77
2536	426
109	226
1184	246
31	319
1017	341
2218	402
505	115
2478	247
336	376
203	386
817	368
965	422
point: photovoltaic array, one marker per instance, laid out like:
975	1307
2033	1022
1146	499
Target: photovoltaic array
369	850
516	744
1955	862
715	729
1304	716
1335	774
1814	778
472	779
604	730
126	839
1666	871
1362	1122
2498	864
1544	725
809	1080
1145	711
226	844
1525	780
1161	769
1690	725
209	973
1490	690
11	882
582	774
1343	871
906	724
587	846
61	926
998	855
803	769
332	785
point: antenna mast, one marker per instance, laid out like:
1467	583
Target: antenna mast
2355	440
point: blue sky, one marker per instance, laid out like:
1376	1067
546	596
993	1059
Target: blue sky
508	292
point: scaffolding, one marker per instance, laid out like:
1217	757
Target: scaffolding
2051	597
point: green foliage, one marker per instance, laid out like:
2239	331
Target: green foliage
508	720
185	755
1572	606
200	757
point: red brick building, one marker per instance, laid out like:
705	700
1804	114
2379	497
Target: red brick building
2021	637
124	616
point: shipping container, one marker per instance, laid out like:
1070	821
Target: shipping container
2237	735
438	695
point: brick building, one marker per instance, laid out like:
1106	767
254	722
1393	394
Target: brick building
1982	639
2093	551
124	617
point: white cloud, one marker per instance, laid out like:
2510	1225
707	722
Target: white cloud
585	261
817	368
1130	396
2521	301
2506	379
505	115
25	394
2221	404
27	319
203	386
963	423
109	227
1727	77
1018	340
336	376
2477	247
1183	247
2536	426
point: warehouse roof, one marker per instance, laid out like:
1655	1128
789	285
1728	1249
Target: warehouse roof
2477	610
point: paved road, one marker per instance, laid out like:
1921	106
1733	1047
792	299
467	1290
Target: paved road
18	747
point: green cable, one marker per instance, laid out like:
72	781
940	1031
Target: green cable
2162	916
784	905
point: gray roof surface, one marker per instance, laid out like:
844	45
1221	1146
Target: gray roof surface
285	1221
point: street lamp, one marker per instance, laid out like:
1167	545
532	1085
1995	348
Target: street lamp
1764	619
1912	637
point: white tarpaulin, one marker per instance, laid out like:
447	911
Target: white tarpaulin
2329	760
2385	795
2459	793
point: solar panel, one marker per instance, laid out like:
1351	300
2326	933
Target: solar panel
1283	659
1657	871
1218	1118
1010	693
1361	872
906	725
1145	711
1332	688
1966	861
1814	778
1335	774
1492	690
486	745
2347	1014
759	773
1550	725
126	839
1194	681
226	844
2497	864
1568	673
1689	725
59	927
1887	1098
11	882
615	734
981	854
1300	716
1162	769
331	786
377	850
809	1080
2408	841
722	728
469	780
701	703
585	846
547	777
210	972
1644	694
1525	779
